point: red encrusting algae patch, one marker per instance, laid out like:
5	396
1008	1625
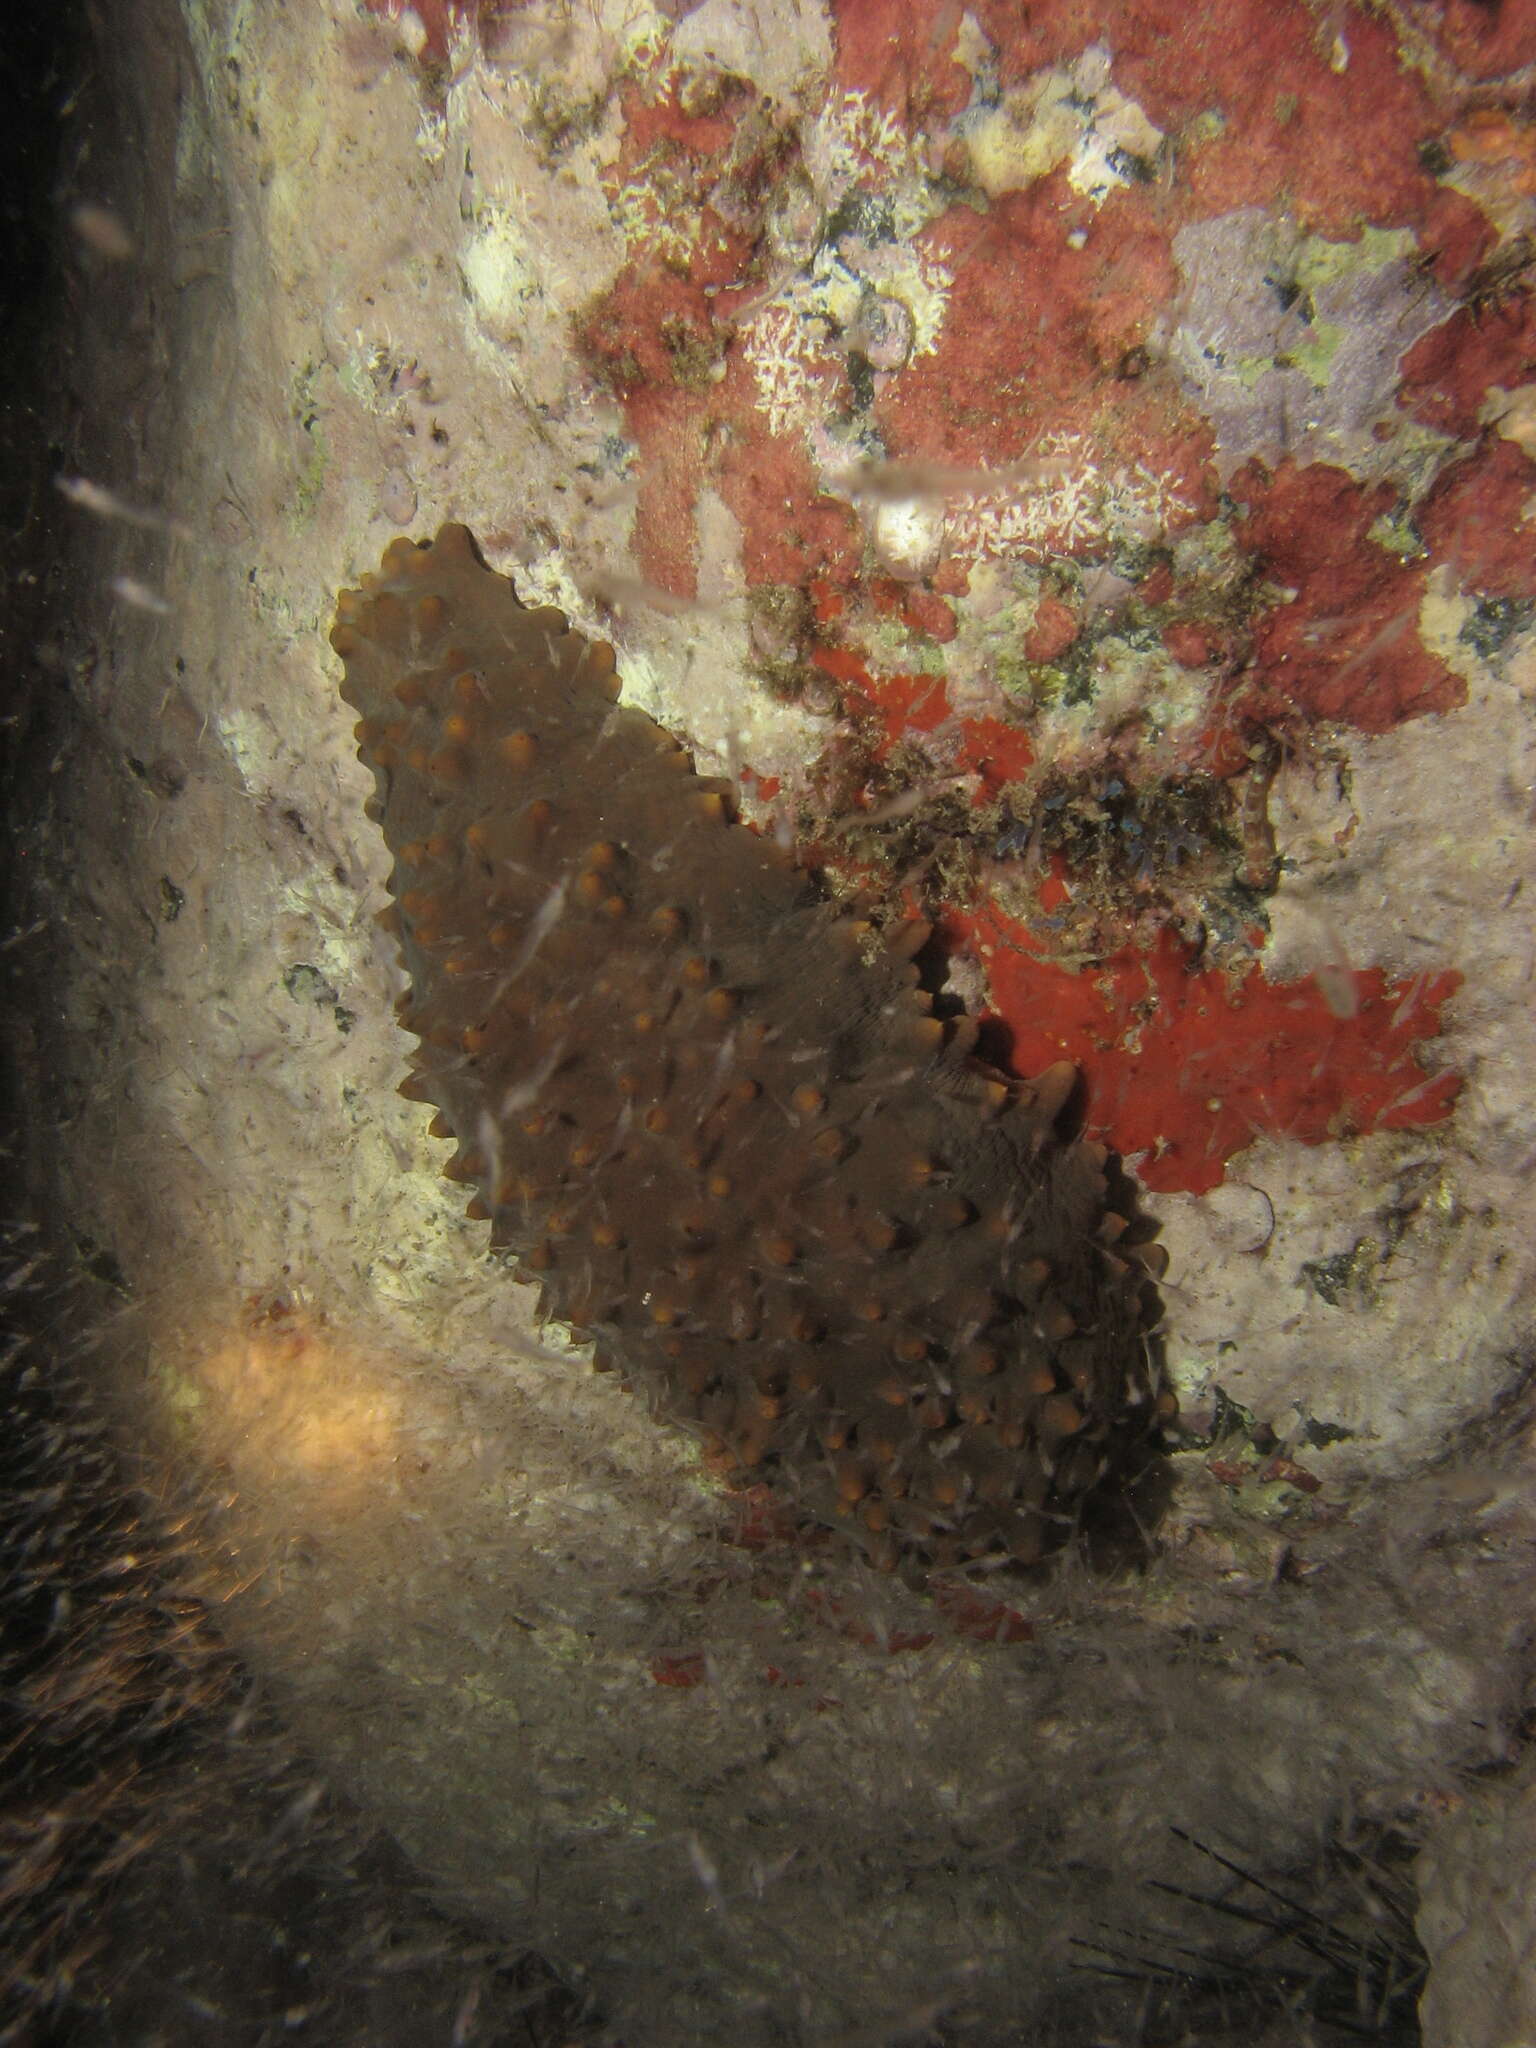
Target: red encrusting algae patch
1341	639
1055	628
903	57
960	1610
1185	1068
970	1613
1341	143
903	703
993	750
837	1616
1475	521
996	752
683	1671
692	411
1449	373
1485	41
1042	338
658	122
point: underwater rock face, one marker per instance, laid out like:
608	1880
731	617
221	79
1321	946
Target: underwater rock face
740	1798
718	1120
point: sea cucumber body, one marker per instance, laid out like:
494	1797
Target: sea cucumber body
718	1120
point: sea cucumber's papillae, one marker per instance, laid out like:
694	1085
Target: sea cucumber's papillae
720	1122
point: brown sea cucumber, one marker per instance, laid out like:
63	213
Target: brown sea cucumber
717	1119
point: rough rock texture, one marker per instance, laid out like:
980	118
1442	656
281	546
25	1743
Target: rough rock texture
720	1121
738	1801
1477	1881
